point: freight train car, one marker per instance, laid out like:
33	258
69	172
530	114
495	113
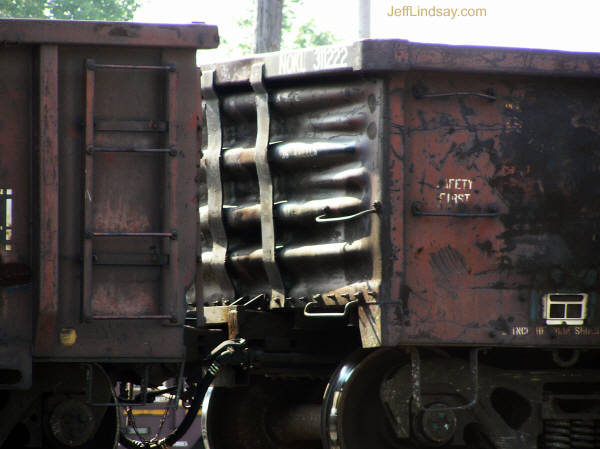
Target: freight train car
381	245
98	211
441	203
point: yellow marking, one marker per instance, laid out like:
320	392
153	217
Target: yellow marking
68	337
154	412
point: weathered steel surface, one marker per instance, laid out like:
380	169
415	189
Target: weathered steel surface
215	263
488	184
42	146
88	177
523	166
265	186
403	56
306	195
132	193
19	31
48	191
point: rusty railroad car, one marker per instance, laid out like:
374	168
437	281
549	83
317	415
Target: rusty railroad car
444	201
98	128
382	245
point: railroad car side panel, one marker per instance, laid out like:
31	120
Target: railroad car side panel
499	210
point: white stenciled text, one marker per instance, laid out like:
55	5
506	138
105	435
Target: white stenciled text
455	191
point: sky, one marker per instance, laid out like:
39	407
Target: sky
570	25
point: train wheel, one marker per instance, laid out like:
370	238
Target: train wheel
266	414
70	424
353	414
73	424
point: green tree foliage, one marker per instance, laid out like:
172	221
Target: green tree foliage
308	36
22	8
295	35
69	9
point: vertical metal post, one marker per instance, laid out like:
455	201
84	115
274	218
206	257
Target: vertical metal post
364	19
45	333
265	184
214	182
172	293
88	176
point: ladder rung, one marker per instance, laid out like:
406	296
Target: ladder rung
171	151
91	65
131	259
172	235
104	125
134	317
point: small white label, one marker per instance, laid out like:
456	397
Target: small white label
330	57
292	62
6	227
321	58
520	331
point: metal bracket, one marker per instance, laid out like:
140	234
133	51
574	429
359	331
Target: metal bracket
265	184
342	314
420	92
215	186
323	219
415	371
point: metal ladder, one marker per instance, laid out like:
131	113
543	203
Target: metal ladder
170	244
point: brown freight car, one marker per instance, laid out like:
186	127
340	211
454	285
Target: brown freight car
99	126
445	200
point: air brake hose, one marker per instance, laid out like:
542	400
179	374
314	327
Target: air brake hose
230	352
